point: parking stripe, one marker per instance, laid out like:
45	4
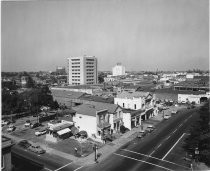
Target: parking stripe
78	168
142	161
63	166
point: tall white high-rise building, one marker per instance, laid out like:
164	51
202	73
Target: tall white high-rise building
118	70
82	70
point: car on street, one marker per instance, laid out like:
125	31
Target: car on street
28	123
41	132
36	148
11	128
35	125
174	112
150	128
5	122
24	144
167	117
139	135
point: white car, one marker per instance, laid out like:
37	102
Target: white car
27	124
167	117
11	128
150	126
4	122
174	112
41	132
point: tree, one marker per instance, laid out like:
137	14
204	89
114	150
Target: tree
30	82
199	136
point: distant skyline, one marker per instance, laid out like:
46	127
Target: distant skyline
140	34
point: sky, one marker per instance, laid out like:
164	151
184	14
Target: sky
141	34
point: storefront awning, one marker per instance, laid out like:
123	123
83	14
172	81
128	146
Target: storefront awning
63	131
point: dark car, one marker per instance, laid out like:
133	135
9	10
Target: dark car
24	144
35	125
36	148
83	134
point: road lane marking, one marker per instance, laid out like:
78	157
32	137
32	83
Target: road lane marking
153	157
78	168
159	145
142	161
173	146
63	166
151	152
168	137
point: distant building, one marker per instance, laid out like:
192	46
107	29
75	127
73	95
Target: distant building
189	98
133	100
118	70
60	70
82	70
24	80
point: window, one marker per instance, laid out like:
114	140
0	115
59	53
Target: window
123	104
134	106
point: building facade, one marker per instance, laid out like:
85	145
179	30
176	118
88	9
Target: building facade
118	70
82	70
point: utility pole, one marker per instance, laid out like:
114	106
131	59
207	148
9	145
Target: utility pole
96	153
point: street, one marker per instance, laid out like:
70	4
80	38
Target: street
151	153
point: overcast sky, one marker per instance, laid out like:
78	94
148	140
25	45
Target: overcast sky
141	34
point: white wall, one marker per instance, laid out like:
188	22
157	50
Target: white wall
188	97
129	103
127	120
85	122
118	70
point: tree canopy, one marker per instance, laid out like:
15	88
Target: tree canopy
200	136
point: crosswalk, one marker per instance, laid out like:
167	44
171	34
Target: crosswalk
150	160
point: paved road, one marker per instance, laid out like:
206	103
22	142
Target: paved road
150	153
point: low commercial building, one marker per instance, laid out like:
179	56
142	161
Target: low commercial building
98	119
192	98
133	100
133	118
59	131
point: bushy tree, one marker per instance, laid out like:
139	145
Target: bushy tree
199	136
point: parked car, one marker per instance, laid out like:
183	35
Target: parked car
36	148
5	122
174	112
83	134
24	144
150	128
139	135
167	117
11	128
41	132
35	125
28	123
